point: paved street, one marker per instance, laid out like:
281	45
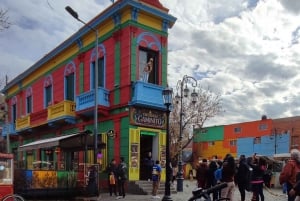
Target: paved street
270	195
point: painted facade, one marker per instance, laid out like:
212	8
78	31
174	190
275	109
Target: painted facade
264	137
55	96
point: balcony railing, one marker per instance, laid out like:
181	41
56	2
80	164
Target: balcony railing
147	94
38	118
8	128
87	100
62	110
23	123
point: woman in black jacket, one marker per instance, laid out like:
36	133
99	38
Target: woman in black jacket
241	178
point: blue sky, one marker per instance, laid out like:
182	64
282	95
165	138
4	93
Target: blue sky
245	50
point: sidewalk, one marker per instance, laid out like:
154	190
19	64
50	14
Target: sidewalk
189	186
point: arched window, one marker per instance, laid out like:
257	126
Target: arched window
48	91
70	81
149	48
101	66
29	100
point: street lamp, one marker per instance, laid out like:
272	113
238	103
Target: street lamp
75	15
184	92
167	94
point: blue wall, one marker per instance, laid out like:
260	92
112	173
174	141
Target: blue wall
247	147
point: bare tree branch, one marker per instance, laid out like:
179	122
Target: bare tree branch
207	106
4	22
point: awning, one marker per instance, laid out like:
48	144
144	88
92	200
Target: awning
74	142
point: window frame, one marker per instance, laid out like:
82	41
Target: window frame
144	54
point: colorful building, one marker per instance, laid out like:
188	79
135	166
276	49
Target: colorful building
264	137
51	106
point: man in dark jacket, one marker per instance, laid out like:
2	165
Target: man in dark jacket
122	177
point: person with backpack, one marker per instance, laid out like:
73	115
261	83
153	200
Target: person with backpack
289	172
241	177
121	178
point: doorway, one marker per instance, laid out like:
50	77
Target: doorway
146	144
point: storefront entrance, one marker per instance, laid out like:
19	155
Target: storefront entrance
146	147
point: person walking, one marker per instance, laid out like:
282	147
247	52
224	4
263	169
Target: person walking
148	163
211	180
241	176
112	179
121	178
228	173
259	167
202	174
289	172
92	188
156	172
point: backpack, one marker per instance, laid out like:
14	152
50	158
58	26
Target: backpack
218	174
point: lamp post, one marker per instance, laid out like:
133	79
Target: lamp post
184	92
75	15
167	97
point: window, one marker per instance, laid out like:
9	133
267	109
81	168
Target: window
48	95
145	56
29	100
257	140
232	143
29	104
210	144
100	73
14	112
263	127
69	87
48	91
237	129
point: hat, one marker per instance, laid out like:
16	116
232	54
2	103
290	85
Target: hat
204	160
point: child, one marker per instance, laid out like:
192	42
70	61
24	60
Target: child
112	183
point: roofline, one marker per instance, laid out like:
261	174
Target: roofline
108	12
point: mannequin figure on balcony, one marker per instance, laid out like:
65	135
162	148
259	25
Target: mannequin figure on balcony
147	70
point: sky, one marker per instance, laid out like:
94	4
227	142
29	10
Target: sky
247	51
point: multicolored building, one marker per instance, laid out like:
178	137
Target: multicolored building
265	137
51	105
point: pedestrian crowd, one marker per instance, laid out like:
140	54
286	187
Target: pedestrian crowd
249	174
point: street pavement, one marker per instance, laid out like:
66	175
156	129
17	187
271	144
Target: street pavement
273	194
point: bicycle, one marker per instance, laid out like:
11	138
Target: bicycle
204	194
13	197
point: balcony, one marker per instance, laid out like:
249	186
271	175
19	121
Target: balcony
8	128
86	100
64	110
147	94
23	123
38	118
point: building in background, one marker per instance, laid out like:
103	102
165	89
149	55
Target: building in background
266	137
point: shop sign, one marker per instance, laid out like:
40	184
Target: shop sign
148	118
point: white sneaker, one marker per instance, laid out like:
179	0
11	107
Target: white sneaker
118	197
157	197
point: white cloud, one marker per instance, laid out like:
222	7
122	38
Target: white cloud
247	50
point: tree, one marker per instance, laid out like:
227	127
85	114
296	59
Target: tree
4	22
207	106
